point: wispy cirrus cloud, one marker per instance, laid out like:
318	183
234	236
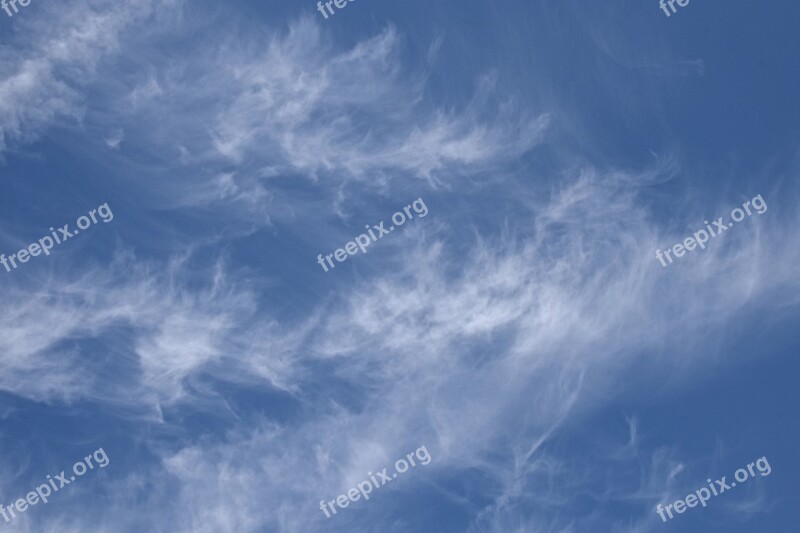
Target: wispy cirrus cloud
54	57
536	314
170	334
488	336
289	103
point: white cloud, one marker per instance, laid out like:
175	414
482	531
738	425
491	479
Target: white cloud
481	367
176	333
54	57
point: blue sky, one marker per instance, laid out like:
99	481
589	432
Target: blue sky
523	331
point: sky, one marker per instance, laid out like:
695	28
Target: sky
529	336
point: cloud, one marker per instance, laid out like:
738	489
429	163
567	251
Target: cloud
481	347
53	59
357	113
529	325
171	335
288	103
114	139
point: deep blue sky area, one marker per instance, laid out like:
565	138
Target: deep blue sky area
232	345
